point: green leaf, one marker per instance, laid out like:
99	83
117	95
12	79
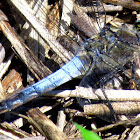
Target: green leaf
86	134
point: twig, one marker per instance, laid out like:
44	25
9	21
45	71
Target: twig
108	8
112	8
130	4
134	134
2	53
12	131
67	7
34	41
49	129
20	120
127	108
1	91
126	122
89	93
61	119
5	65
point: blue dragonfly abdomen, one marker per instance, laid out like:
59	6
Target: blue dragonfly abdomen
77	67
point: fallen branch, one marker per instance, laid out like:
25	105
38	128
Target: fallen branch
126	122
2	53
5	65
130	4
107	8
45	125
134	134
89	93
12	131
127	108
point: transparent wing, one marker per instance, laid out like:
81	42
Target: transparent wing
69	22
94	11
86	16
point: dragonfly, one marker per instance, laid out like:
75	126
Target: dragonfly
103	49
